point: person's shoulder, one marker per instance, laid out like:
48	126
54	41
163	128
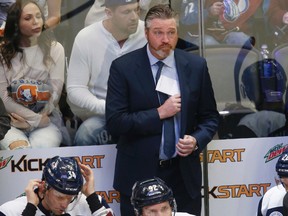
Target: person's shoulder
131	56
90	30
14	207
56	45
185	52
57	49
20	199
83	206
277	188
189	55
273	197
276	191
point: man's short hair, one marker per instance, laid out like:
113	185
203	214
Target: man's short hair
113	3
160	11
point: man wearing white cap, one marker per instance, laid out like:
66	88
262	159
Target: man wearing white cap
95	47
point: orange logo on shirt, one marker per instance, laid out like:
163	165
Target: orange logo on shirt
27	94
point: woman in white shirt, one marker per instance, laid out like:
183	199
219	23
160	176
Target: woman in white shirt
31	79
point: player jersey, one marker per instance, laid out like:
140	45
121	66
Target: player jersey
77	207
271	204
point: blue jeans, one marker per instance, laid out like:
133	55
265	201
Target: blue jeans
92	132
45	137
236	38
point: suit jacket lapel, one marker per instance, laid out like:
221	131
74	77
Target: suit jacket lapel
182	71
145	77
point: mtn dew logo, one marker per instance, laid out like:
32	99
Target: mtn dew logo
275	152
4	162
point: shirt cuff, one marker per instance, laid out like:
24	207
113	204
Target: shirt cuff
29	210
93	202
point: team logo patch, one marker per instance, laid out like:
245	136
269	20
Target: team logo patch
233	9
30	93
26	94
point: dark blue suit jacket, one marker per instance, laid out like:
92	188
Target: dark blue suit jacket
131	115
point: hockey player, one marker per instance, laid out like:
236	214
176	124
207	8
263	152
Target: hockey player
60	192
153	197
272	201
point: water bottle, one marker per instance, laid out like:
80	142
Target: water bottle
268	77
267	64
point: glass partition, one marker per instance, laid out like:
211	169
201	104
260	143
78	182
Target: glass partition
244	43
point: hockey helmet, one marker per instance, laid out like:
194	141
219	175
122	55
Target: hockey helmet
150	192
64	175
282	165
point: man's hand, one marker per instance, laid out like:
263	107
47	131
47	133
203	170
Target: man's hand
171	107
88	187
186	145
216	8
32	196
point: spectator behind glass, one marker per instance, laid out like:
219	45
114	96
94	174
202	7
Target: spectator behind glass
50	8
278	20
31	79
4	6
189	22
259	124
61	191
135	114
272	201
4	121
95	47
231	22
97	13
145	5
